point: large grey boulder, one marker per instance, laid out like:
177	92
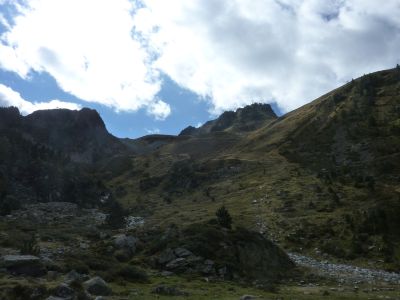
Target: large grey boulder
123	241
97	287
23	265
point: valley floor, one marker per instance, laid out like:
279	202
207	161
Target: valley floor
68	240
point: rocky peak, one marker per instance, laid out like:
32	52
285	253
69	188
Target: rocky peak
248	118
79	134
9	116
62	118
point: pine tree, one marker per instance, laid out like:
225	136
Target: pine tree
224	218
116	215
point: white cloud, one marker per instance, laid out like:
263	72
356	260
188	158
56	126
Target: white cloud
159	109
235	52
9	97
230	52
152	131
88	47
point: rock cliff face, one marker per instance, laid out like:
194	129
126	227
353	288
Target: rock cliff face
44	156
81	135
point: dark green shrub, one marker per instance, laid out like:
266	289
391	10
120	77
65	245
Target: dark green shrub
133	274
224	218
8	204
116	215
74	264
30	247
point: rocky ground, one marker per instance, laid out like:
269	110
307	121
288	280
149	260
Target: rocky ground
345	273
78	258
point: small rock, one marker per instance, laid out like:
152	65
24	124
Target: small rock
52	275
209	262
75	276
97	286
182	252
208	267
84	246
223	271
177	263
248	297
54	298
168	291
64	291
167	273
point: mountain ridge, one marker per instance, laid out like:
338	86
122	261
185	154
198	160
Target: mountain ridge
331	164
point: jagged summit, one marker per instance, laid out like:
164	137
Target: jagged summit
248	118
9	116
84	118
81	135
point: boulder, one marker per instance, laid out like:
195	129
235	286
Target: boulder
97	287
166	256
123	241
244	253
23	265
259	258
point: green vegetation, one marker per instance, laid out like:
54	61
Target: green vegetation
30	246
322	180
224	218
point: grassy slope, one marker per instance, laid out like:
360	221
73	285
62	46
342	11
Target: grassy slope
278	178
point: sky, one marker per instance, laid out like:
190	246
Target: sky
156	66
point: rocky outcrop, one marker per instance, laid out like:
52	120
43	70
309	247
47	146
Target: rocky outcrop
28	265
80	134
212	251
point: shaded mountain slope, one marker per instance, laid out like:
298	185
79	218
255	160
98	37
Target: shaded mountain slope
49	156
80	134
322	178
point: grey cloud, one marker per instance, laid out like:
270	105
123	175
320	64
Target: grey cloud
287	51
